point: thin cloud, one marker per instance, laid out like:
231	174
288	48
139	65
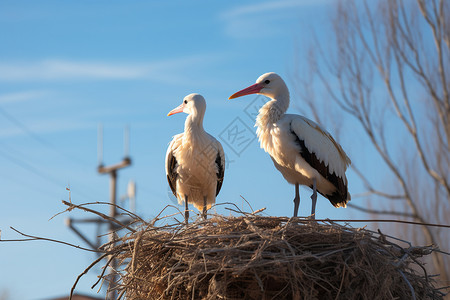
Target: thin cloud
58	69
64	69
263	19
23	96
43	127
246	10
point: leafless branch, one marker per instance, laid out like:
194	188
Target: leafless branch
382	212
110	219
37	238
389	42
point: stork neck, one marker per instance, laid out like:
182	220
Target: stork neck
193	125
273	110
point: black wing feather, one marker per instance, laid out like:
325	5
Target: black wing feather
172	173
220	172
340	195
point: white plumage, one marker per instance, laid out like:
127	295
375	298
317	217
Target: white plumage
300	149
195	161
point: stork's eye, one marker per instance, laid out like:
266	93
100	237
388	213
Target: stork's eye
185	101
267	81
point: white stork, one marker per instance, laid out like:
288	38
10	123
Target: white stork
300	149
195	161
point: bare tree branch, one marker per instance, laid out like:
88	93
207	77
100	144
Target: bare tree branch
382	212
386	47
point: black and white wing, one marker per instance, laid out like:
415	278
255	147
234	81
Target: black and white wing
323	153
172	164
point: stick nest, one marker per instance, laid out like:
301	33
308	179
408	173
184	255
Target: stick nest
255	257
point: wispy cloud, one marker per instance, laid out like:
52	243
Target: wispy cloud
64	69
42	127
261	19
23	96
60	69
267	7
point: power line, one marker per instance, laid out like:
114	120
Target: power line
36	171
24	128
39	139
23	183
30	168
27	165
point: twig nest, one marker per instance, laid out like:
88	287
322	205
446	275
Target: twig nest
254	257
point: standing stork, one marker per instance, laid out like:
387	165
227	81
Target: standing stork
300	149
195	161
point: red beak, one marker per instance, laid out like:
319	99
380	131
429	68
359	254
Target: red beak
176	110
253	89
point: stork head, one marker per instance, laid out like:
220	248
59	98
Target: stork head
193	104
269	84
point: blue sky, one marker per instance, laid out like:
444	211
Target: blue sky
68	66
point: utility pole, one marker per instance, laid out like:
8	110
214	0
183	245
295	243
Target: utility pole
112	171
112	227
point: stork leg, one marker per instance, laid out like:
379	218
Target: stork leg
314	200
186	210
296	200
204	208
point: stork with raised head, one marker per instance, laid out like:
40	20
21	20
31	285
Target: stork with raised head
300	149
195	161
